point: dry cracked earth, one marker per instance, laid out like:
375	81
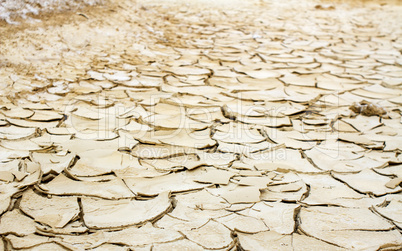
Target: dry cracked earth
209	125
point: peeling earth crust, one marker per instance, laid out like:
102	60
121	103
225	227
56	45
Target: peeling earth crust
202	125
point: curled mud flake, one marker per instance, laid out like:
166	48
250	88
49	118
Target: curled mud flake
392	184
249	128
15	132
17	113
6	176
46	116
368	109
324	7
52	163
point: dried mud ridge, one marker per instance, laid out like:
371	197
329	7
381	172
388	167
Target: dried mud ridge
261	127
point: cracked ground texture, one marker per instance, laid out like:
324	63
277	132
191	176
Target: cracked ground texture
207	125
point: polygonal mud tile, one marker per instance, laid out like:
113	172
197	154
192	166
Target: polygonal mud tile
278	241
115	247
362	123
46	116
174	163
341	161
391	211
195	213
260	182
17	113
245	149
241	194
54	212
279	217
290	192
348	227
303	242
33	124
212	235
99	213
101	161
112	189
84	241
54	163
174	182
244	224
49	246
214	176
145	235
27	145
7	191
316	219
14	222
336	192
262	240
171	220
178	245
15	132
292	160
75	227
368	182
144	151
162	121
29	241
186	138
362	240
201	200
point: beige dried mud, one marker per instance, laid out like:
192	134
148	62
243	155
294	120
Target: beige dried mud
193	125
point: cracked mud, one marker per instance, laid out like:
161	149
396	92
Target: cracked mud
156	125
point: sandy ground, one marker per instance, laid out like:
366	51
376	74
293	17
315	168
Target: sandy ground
207	125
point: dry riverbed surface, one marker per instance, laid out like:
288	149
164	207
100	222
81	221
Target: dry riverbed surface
207	125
